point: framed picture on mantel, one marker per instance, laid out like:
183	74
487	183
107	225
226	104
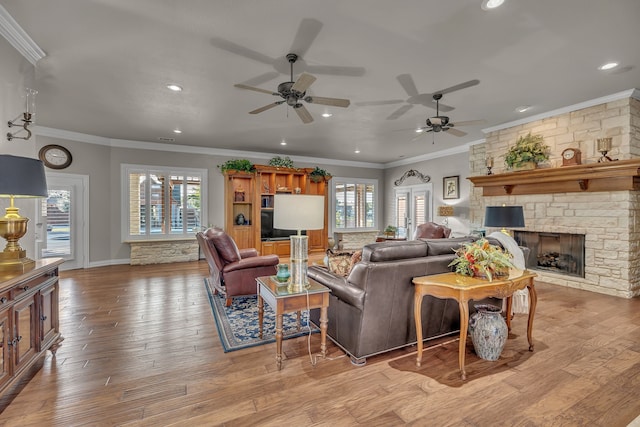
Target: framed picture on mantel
451	187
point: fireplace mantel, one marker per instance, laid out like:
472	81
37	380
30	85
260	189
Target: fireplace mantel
619	175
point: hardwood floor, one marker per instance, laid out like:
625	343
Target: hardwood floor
142	348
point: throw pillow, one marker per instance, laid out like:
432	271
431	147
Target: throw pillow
339	262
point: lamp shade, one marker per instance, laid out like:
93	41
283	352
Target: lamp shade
504	216
298	212
445	210
22	177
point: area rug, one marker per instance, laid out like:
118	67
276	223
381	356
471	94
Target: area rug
238	324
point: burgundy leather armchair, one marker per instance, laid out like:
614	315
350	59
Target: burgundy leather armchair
233	271
431	230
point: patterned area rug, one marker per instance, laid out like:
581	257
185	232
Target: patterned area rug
238	324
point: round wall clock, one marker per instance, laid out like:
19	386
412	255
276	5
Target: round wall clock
55	156
570	157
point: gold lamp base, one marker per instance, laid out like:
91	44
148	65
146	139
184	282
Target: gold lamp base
14	259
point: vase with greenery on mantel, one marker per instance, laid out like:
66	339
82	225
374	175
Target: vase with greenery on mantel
527	153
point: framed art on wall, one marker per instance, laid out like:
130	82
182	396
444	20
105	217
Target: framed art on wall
451	187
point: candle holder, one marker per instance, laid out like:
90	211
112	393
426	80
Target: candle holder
604	146
489	164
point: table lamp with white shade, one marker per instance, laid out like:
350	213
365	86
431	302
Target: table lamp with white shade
298	212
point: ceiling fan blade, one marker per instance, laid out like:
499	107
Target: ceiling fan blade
256	89
469	123
230	46
336	70
303	113
406	81
262	78
457	87
304	81
400	111
389	102
265	108
307	32
456	132
336	102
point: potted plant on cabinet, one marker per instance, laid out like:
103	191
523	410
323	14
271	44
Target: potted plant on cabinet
527	153
390	231
243	165
318	175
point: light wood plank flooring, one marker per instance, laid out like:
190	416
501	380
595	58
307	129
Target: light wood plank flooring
142	348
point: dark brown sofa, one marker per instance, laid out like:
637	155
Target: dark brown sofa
371	310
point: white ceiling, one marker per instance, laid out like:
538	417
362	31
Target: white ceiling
108	61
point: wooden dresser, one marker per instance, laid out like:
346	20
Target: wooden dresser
29	324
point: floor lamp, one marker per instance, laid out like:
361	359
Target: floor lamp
298	212
504	217
20	177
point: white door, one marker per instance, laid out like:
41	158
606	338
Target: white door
412	208
61	229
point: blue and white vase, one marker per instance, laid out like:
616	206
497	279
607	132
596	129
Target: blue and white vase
488	331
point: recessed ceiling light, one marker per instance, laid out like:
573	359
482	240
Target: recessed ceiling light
177	131
523	108
357	151
174	88
283	143
325	115
419	130
608	66
491	4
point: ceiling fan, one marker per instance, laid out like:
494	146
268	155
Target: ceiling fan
440	123
416	98
293	92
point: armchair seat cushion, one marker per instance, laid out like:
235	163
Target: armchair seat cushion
252	262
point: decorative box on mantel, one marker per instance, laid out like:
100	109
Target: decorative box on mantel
621	175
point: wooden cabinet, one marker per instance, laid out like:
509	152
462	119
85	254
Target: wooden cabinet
29	324
252	195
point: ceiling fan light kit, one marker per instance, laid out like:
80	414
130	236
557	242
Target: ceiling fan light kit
292	92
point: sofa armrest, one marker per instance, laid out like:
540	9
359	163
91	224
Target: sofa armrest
248	253
252	262
339	286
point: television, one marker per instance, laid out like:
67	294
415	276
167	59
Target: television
267	232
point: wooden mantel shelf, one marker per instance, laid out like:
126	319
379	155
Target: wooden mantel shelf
620	175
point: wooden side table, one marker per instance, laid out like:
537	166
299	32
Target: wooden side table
463	289
283	299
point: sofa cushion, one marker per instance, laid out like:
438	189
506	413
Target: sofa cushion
445	246
390	251
226	247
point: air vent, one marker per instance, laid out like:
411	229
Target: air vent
163	139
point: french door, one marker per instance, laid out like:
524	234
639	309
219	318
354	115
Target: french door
61	227
412	207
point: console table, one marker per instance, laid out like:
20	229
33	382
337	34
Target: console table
29	324
465	288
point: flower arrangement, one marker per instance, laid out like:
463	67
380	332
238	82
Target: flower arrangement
528	148
318	175
480	258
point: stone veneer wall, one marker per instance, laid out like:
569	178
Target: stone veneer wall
610	221
355	240
162	252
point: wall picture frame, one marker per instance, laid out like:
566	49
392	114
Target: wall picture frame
451	187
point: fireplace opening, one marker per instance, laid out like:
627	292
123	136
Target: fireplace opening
561	253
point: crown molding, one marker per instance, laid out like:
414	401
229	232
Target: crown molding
175	148
442	153
18	38
631	93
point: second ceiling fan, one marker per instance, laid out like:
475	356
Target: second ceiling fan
293	92
440	123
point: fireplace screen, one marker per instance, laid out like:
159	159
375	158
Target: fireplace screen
557	252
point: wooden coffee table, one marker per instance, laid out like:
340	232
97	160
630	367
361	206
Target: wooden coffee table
285	299
463	289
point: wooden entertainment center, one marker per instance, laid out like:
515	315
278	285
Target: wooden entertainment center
249	197
29	324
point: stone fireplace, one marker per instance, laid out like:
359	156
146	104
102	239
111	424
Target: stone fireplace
598	201
561	253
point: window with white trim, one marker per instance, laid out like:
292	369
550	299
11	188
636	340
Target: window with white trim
162	202
354	204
